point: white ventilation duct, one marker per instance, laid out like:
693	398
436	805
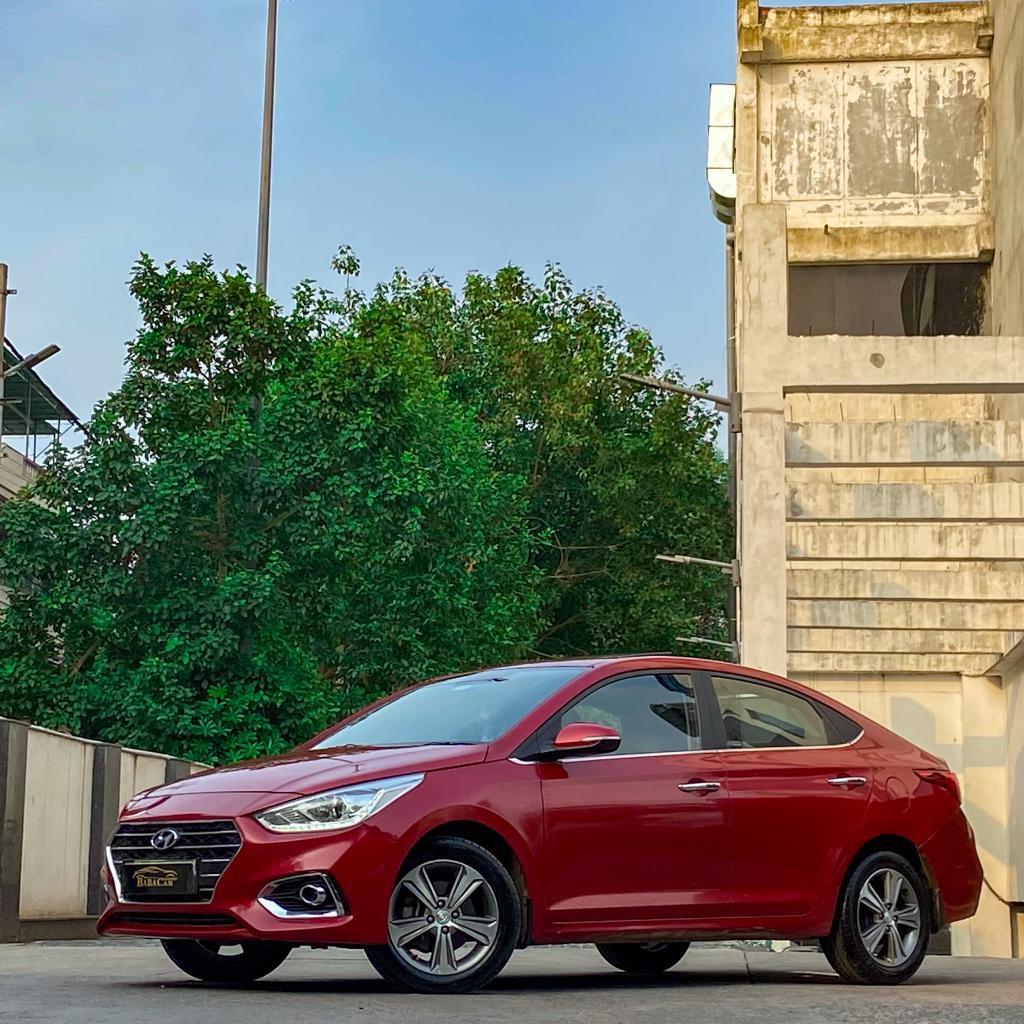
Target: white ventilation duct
721	146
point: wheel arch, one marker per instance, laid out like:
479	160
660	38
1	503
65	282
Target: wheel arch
495	843
894	842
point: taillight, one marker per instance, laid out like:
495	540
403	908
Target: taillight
943	779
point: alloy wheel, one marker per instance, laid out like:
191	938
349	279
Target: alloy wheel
443	918
889	917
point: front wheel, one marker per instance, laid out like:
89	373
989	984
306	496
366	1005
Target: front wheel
880	936
643	958
453	921
221	961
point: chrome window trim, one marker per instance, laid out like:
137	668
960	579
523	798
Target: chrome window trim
703	750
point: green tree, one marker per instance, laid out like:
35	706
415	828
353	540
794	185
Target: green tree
614	475
430	481
219	581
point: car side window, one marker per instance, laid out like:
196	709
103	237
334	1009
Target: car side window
652	714
756	715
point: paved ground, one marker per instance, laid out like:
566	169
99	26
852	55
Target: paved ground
114	982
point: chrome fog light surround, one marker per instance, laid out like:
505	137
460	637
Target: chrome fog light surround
309	895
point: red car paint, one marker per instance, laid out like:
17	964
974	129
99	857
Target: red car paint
609	847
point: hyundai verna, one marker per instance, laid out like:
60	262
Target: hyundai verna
635	803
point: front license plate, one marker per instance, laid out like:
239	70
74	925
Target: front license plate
155	879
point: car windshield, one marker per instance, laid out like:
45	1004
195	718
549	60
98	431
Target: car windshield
475	708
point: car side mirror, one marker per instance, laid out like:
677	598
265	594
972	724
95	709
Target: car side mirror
585	737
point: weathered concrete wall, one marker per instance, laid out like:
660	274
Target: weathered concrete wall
862	144
867	134
1008	166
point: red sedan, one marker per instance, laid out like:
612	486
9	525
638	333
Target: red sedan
636	803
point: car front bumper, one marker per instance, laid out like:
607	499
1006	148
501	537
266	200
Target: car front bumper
361	862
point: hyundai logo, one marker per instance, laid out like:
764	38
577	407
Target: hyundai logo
164	839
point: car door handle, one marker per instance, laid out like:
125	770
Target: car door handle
848	780
699	787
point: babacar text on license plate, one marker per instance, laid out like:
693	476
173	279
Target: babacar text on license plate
153	880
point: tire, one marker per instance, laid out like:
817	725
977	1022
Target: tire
897	948
643	958
466	885
205	961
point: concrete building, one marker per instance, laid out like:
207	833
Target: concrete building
870	167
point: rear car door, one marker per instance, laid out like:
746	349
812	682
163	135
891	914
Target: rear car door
798	795
636	838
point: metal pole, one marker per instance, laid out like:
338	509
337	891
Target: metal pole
268	134
720	402
3	346
262	243
732	425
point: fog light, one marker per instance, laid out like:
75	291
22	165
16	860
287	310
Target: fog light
309	895
313	894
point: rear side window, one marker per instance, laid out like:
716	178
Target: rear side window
755	715
652	714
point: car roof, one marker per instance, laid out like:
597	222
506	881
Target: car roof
669	660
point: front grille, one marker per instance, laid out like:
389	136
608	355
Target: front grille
190	920
211	845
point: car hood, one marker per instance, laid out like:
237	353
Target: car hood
312	771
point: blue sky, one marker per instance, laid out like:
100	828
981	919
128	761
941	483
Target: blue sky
449	135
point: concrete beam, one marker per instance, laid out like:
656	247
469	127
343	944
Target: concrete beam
870	501
871	33
901	641
176	769
977	581
874	614
843	663
106	787
761	513
13	760
809	407
840	363
906	541
978	442
911	243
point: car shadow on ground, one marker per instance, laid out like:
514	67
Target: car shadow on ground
558	982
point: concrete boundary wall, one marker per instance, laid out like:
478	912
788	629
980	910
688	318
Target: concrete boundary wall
59	800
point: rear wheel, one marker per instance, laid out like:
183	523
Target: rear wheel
880	936
643	958
453	921
222	961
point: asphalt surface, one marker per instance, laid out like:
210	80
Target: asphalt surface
115	981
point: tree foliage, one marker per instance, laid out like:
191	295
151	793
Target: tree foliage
279	515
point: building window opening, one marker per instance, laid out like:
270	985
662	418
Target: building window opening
889	299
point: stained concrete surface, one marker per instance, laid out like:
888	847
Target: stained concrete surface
111	982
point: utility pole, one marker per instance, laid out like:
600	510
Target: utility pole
262	248
263	237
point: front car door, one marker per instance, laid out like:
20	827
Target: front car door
636	840
799	793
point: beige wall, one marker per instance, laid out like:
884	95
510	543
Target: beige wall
55	819
140	770
1013	679
55	846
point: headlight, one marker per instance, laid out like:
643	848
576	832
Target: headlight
337	808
